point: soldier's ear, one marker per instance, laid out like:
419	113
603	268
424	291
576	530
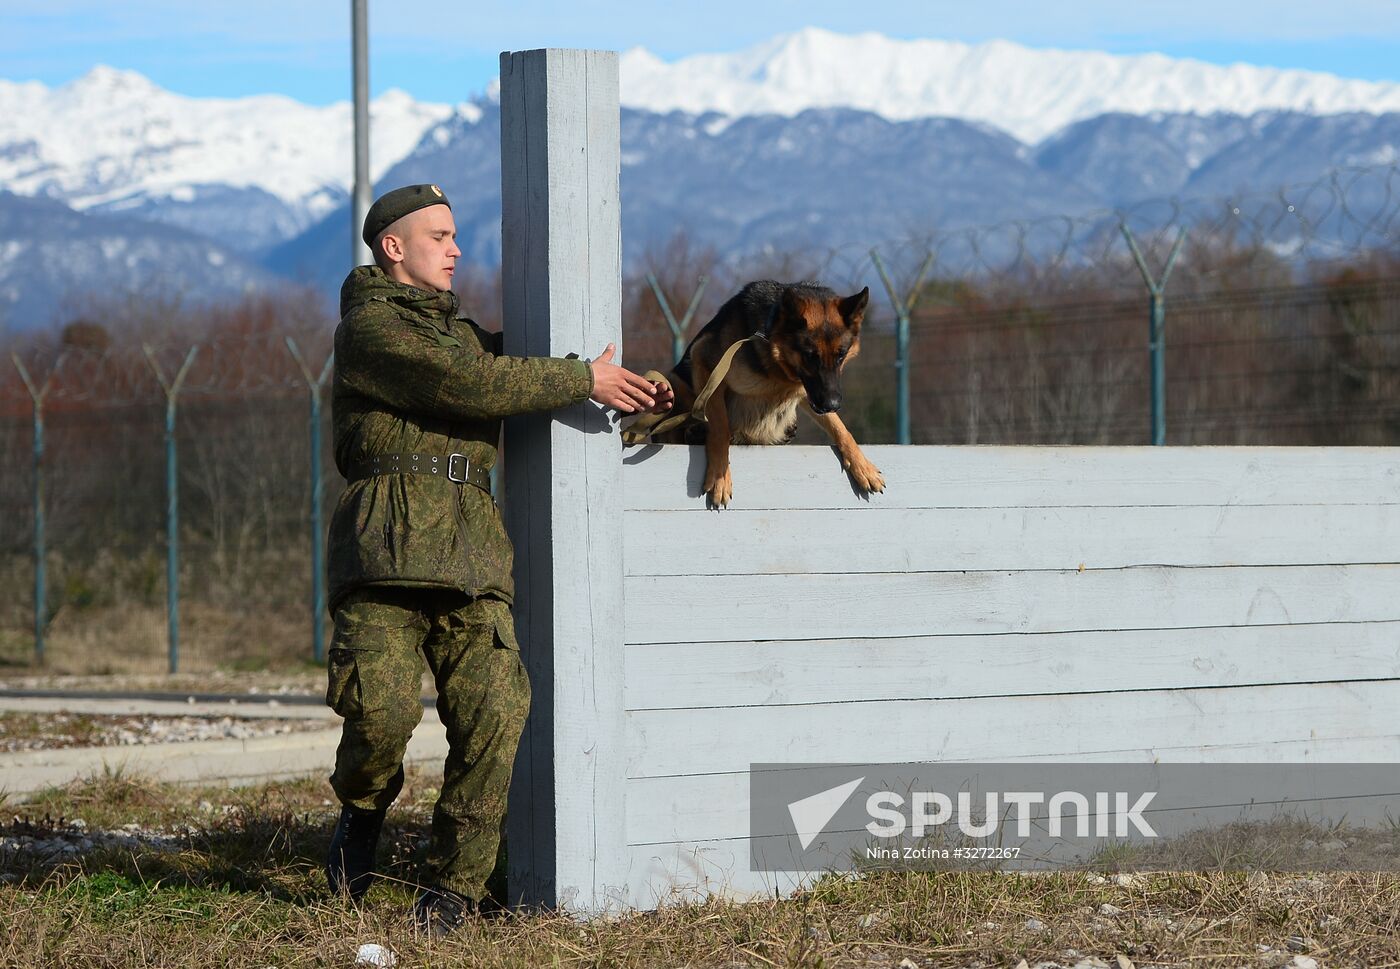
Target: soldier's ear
391	246
853	307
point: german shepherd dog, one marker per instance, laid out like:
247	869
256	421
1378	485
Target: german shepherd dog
805	334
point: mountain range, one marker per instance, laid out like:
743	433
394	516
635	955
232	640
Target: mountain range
110	179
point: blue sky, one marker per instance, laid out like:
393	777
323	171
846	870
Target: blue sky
446	50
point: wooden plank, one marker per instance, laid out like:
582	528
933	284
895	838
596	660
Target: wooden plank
721	739
689	867
708	807
990	539
562	293
669	477
736	674
674	609
673	874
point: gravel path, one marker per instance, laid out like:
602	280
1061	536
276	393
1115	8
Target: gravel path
57	731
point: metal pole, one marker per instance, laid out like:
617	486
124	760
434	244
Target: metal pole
172	504
318	577
172	540
1156	329
359	30
41	617
902	308
677	327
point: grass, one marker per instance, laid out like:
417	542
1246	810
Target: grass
239	884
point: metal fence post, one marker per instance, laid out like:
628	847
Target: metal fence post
172	502
902	308
359	75
41	616
318	578
1156	327
677	327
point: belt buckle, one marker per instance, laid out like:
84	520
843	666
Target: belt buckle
465	469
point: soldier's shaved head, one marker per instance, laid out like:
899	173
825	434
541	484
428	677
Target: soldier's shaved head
420	249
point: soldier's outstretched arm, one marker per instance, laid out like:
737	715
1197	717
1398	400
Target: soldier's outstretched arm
417	369
613	386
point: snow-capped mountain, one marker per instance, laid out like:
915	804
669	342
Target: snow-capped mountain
1029	93
56	262
812	140
112	141
837	177
262	168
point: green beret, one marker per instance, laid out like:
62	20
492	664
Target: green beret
392	206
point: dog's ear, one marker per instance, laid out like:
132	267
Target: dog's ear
853	307
790	310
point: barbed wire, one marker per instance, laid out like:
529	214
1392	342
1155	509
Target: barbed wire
1262	238
1349	213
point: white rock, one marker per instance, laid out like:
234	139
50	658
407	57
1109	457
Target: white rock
374	954
1034	925
1124	880
1302	962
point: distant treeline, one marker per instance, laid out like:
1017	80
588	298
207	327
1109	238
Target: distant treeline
1261	355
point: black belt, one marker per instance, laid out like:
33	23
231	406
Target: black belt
453	467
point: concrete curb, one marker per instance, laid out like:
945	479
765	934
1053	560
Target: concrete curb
136	706
232	762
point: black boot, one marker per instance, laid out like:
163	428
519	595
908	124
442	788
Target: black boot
351	862
438	911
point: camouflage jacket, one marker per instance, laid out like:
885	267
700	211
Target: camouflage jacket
412	377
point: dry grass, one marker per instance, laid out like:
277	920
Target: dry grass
243	887
131	637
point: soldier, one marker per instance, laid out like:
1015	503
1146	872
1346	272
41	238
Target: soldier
420	564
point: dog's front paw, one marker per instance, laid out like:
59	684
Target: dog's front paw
866	476
720	487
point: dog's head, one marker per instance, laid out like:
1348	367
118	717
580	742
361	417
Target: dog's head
816	333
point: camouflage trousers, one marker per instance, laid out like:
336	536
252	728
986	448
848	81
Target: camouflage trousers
382	637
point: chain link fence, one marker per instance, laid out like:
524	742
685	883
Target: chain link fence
1278	324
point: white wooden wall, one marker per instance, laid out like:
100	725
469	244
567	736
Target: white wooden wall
1029	603
996	603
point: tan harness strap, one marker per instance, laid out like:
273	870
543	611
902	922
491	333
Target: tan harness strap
650	424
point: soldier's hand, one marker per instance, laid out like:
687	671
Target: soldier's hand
618	387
